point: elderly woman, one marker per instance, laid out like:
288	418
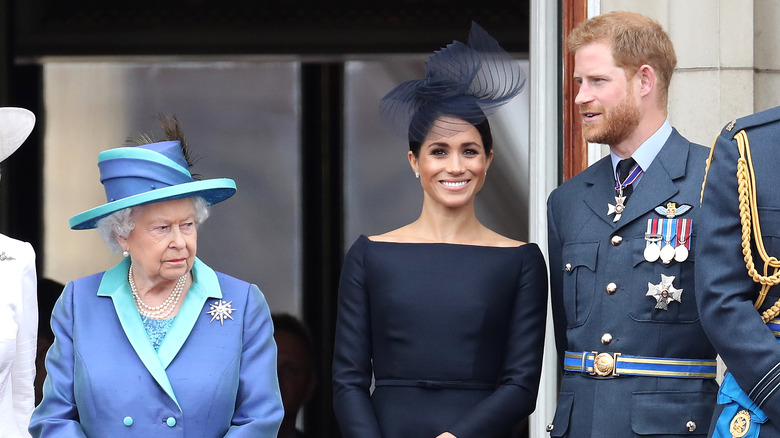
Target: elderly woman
159	345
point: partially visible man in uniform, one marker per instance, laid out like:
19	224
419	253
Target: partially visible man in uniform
738	245
636	361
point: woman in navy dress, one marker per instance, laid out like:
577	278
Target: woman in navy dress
446	315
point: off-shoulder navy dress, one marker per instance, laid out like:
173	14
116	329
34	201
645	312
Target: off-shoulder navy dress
453	335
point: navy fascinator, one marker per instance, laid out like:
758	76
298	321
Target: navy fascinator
462	81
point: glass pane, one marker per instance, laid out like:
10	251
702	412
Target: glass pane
381	192
240	118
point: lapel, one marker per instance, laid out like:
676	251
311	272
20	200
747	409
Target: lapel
657	184
114	285
600	189
205	285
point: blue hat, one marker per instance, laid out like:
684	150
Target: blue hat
145	174
466	81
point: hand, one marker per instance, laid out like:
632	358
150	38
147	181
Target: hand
446	435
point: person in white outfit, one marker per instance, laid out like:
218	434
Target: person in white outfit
18	302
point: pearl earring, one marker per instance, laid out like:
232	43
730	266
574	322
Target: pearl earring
417	175
125	253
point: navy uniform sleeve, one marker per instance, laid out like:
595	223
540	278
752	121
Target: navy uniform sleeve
352	351
556	279
515	397
724	291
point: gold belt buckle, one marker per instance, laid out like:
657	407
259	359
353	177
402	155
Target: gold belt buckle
604	364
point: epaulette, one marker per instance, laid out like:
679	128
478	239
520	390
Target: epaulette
760	118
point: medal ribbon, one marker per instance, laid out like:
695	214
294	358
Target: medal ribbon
652	229
632	176
670	231
684	233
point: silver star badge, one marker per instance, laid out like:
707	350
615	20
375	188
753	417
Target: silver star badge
617	209
220	310
664	292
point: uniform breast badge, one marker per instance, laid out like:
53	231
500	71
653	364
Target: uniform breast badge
740	424
664	292
668	238
220	310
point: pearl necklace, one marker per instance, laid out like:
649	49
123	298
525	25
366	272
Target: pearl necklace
163	310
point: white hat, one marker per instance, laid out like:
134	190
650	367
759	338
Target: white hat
15	125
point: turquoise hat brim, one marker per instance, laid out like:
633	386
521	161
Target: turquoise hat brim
212	190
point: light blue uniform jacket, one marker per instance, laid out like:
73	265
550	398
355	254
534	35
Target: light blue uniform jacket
207	379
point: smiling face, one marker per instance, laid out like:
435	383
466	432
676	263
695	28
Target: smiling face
164	241
452	169
607	99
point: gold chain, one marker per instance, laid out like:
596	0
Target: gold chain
748	215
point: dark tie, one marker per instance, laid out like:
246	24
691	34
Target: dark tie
624	169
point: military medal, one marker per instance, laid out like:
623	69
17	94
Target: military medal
652	237
683	240
667	253
620	199
652	251
667	249
668	238
664	292
618	208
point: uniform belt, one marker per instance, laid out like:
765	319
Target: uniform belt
618	364
435	384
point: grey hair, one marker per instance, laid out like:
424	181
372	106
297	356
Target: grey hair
122	222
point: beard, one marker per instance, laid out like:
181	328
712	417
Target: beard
616	124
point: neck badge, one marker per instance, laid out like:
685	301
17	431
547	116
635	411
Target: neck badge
664	292
620	199
618	208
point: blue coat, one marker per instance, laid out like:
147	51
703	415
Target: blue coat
726	292
587	252
207	379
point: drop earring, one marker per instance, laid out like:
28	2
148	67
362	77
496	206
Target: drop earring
125	253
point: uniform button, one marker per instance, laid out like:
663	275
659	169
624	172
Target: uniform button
606	338
616	240
611	288
567	267
128	421
550	427
170	422
691	426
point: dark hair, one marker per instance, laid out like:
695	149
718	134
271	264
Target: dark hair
284	322
483	128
